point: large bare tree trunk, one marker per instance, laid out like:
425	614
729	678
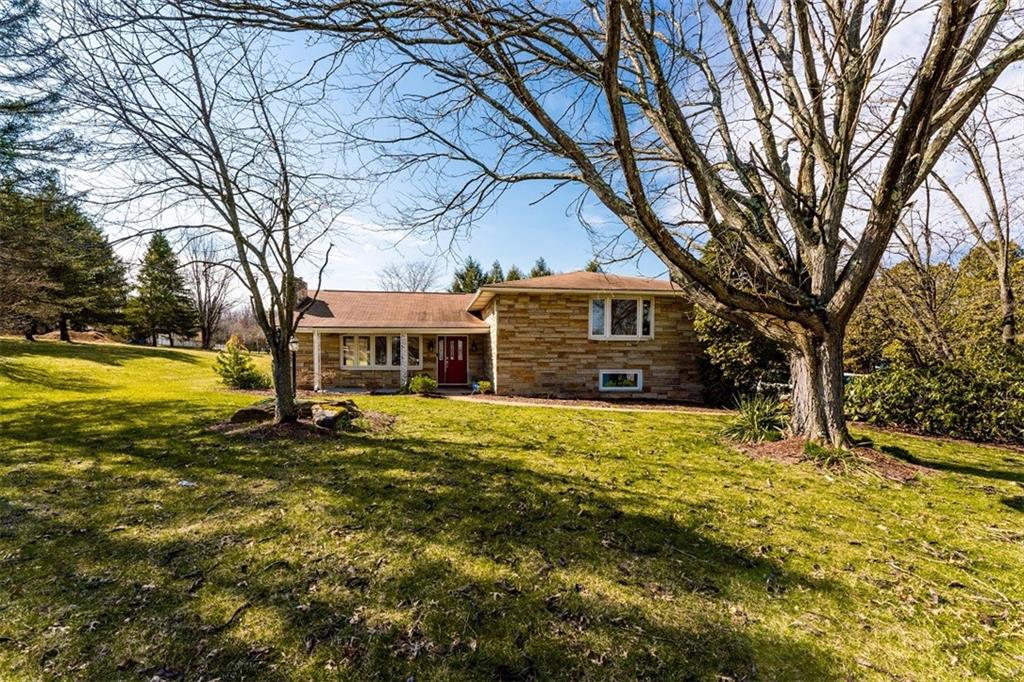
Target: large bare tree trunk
65	334
285	409
1009	308
816	374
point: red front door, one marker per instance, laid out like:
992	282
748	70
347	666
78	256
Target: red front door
451	359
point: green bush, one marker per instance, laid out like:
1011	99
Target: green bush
483	386
422	384
760	418
979	397
236	369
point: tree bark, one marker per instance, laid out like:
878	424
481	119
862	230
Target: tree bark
816	374
1009	323
30	333
204	338
65	335
285	409
153	340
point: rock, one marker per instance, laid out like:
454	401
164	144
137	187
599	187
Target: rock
335	414
305	407
256	413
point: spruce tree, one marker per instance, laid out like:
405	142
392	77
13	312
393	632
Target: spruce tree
92	288
540	268
28	96
495	274
163	304
593	266
513	274
468	278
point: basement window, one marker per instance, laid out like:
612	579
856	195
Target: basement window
620	380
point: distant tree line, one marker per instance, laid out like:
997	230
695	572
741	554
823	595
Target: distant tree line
470	276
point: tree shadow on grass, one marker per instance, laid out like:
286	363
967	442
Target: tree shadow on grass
101	353
383	557
42	379
952	467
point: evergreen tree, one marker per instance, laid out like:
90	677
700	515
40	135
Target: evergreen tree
540	268
56	264
593	266
91	279
496	274
28	99
236	369
468	278
163	304
513	274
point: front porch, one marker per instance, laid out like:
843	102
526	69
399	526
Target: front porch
385	359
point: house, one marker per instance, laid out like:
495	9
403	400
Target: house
578	334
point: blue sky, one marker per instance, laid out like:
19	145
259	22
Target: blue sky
516	231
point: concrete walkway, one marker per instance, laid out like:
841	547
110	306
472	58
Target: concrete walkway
587	405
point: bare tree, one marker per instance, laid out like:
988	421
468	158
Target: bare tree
210	284
409	275
995	170
219	138
797	130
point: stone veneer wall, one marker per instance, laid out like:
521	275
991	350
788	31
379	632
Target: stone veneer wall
543	349
334	376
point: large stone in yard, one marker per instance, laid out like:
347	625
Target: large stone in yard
334	415
256	413
305	407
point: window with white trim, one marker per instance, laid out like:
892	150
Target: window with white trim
621	317
620	380
378	352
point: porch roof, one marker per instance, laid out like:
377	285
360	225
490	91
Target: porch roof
391	310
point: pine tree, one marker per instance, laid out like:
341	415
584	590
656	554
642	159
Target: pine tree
28	98
236	369
540	268
92	288
495	274
468	278
163	304
513	274
56	265
593	266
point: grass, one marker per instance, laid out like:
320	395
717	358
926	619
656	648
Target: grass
474	541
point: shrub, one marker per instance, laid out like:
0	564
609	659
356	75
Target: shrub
760	418
483	386
979	397
236	369
422	384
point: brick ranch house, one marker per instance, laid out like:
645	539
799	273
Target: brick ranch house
579	334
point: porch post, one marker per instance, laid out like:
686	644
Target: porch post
403	374
316	359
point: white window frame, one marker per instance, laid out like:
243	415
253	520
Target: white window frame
620	389
373	354
607	335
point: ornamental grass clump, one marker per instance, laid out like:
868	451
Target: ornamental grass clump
760	418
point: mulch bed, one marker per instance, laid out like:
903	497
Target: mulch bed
791	451
369	421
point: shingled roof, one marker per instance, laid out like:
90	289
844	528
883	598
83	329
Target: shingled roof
581	281
587	281
391	309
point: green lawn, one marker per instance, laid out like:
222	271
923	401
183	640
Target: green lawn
473	541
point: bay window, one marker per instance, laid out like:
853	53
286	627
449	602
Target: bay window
625	317
379	352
